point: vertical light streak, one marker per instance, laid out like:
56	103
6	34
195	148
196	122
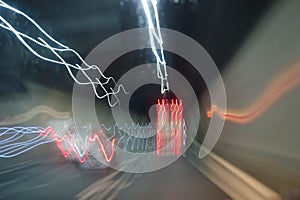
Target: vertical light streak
155	37
170	129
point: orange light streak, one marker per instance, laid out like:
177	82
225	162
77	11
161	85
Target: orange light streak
286	82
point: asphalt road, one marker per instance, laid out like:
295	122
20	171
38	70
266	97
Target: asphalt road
43	173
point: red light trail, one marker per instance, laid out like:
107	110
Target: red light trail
70	148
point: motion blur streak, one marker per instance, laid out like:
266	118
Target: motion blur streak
286	82
108	187
41	109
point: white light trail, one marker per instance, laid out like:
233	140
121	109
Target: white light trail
22	37
15	140
155	37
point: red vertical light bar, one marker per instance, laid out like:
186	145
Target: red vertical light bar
172	125
169	127
158	133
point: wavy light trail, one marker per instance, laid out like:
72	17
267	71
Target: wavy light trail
18	140
170	128
71	145
15	142
57	53
286	82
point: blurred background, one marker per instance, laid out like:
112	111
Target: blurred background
256	46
